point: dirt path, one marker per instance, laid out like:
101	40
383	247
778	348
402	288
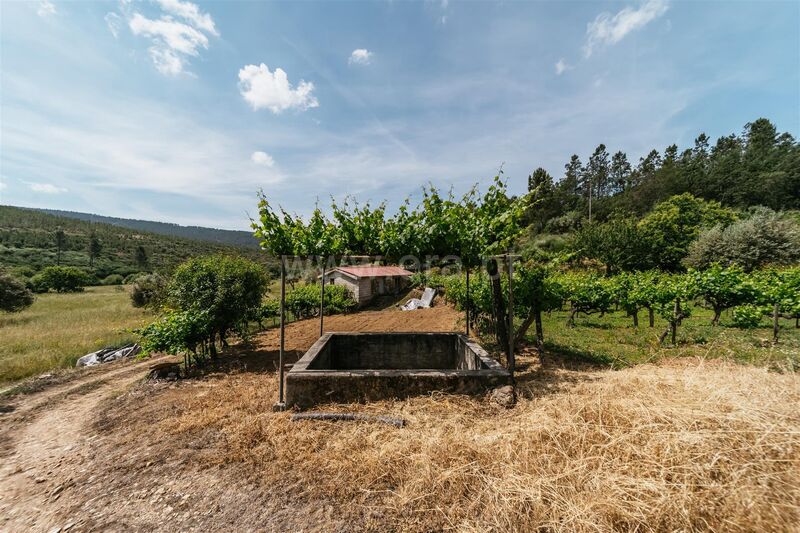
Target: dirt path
43	430
62	469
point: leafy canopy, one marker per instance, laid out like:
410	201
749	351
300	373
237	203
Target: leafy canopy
441	225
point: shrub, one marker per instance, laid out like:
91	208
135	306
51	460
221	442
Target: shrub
149	290
37	284
130	278
14	296
113	279
764	238
428	278
747	316
177	332
230	289
61	279
303	300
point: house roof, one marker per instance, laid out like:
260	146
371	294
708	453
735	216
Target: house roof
369	271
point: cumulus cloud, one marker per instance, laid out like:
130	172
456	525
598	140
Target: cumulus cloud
263	89
360	56
180	33
46	8
262	158
562	66
609	29
46	188
2	185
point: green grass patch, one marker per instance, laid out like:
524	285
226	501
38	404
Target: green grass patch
59	328
612	339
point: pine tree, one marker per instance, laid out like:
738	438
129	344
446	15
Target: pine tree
141	257
61	243
94	248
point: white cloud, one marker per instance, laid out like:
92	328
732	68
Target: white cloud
173	41
360	56
562	66
610	29
191	13
262	158
166	61
2	185
114	23
46	188
46	8
264	89
173	35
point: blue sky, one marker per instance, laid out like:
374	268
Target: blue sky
177	111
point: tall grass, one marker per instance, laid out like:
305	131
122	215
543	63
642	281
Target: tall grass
59	328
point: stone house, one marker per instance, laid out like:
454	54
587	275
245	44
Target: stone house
367	281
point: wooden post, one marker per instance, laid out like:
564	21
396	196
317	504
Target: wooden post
283	330
775	325
510	314
322	301
675	314
467	305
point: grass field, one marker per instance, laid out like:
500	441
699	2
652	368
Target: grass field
59	328
612	339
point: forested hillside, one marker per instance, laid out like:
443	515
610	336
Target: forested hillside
759	167
221	236
31	240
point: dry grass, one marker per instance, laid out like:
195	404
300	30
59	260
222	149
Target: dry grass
688	445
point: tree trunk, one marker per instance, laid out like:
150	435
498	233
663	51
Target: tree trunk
635	318
717	314
539	332
676	317
519	336
498	305
571	319
775	325
652	317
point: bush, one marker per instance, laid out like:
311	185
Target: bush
113	279
60	279
747	316
130	278
149	290
176	332
37	284
230	289
764	238
303	300
14	296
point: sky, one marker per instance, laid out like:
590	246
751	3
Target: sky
180	112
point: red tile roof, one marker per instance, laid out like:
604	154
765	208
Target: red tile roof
369	271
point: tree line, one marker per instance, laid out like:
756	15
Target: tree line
758	167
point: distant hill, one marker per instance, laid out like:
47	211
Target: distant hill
221	236
28	244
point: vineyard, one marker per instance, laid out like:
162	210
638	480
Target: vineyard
664	302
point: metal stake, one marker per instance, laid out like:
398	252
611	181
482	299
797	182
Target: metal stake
322	301
467	305
510	261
